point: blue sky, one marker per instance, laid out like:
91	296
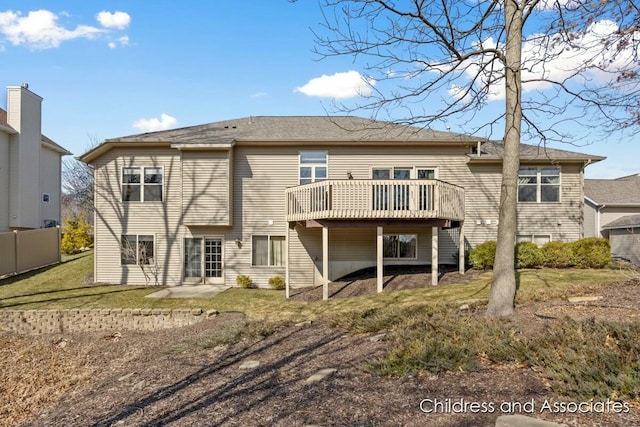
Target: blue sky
113	68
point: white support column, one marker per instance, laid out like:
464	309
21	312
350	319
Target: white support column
434	256
325	263
461	251
286	268
379	257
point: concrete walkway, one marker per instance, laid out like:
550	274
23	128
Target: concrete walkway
190	291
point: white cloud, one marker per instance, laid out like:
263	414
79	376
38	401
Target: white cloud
122	41
339	85
154	124
40	30
259	95
559	61
118	20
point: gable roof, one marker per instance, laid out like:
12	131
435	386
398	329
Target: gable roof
319	129
621	191
298	128
628	221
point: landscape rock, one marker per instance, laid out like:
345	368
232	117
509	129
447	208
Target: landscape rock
524	421
321	375
250	364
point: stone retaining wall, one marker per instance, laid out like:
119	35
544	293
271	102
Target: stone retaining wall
31	322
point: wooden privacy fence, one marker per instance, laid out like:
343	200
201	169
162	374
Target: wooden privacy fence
26	250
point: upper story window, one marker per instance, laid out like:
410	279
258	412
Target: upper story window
539	184
142	184
313	166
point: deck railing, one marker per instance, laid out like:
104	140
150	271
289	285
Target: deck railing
375	199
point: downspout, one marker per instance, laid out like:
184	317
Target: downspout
598	213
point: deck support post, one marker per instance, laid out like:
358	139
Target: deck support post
286	265
434	256
379	257
325	263
461	254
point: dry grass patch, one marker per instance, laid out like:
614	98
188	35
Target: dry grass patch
34	374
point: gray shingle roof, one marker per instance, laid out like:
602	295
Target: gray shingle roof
613	191
296	128
495	150
624	222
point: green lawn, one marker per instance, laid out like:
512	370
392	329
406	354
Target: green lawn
68	285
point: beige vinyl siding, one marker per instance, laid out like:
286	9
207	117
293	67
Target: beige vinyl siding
260	176
590	228
626	243
205	188
562	220
114	217
4	181
50	183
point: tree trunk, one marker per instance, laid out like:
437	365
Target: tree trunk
503	285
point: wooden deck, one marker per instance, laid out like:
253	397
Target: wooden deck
375	199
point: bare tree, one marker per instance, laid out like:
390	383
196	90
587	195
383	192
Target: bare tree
77	188
553	62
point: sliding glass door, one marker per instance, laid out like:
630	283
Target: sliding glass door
203	262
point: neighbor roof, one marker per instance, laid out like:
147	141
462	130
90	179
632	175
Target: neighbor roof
48	142
629	221
613	191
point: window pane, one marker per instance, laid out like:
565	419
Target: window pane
153	175
528	172
305	172
153	193
523	238
407	245
130	175
380	174
305	181
426	174
550	193
313	157
145	249
321	173
526	193
390	246
128	251
277	250
401	173
192	257
131	192
541	240
260	250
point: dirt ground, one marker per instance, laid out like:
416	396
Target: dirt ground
159	379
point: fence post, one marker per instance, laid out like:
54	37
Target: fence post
59	243
15	249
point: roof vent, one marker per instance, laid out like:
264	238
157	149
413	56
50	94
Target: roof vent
25	86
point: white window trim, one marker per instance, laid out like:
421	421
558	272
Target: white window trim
137	263
397	258
539	183
269	236
142	184
313	165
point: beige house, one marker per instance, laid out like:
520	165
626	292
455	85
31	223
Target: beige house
30	165
612	210
312	199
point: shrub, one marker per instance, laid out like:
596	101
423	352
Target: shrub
277	283
592	252
528	255
558	254
483	256
244	281
77	235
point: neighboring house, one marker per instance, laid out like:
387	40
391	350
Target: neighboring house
30	165
313	199
612	210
